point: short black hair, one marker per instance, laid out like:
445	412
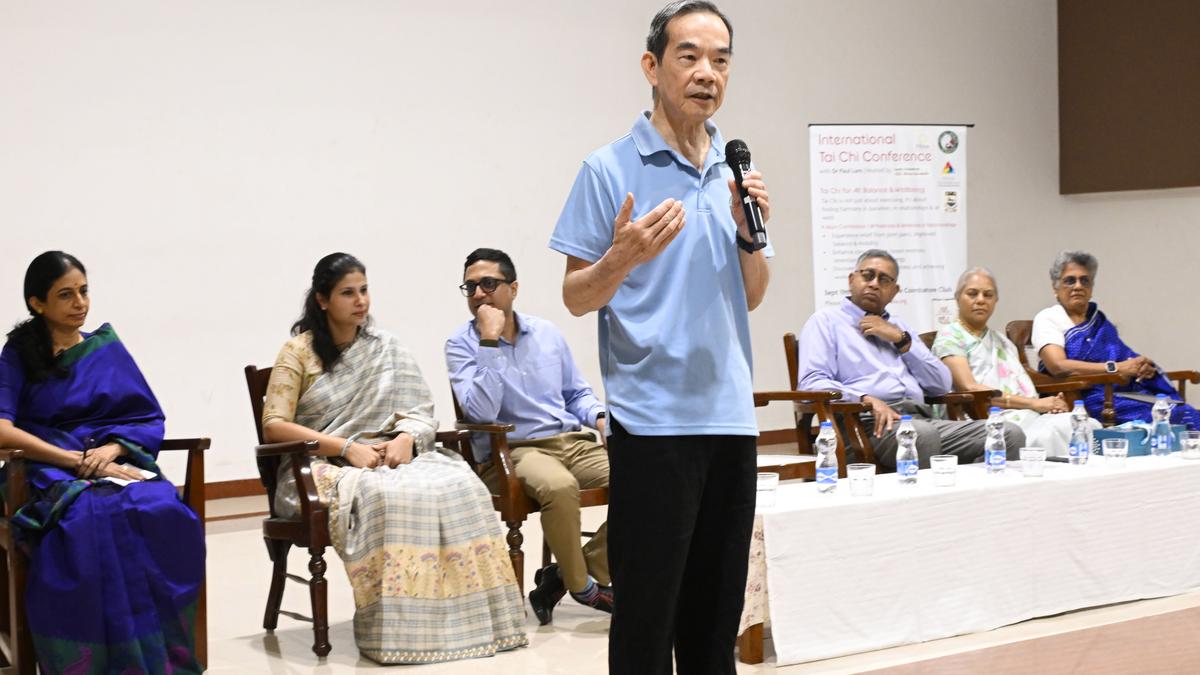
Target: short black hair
493	255
656	41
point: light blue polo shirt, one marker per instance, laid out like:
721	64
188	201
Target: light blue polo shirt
675	338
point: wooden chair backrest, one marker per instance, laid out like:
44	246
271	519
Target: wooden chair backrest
268	467
928	337
467	451
791	351
1021	334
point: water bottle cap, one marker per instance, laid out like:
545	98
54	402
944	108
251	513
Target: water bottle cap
826	424
994	409
906	418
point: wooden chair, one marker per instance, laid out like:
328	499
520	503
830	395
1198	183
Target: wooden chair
16	642
825	407
510	499
311	529
1021	334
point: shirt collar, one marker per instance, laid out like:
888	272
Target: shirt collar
648	141
857	313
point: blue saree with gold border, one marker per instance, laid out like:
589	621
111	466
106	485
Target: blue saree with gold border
115	572
1097	340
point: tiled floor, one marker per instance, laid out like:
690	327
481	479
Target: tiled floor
1150	636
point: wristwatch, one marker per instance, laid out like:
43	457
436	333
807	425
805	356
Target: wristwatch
1110	366
905	340
747	246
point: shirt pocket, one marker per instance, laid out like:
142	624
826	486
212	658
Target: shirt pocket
543	377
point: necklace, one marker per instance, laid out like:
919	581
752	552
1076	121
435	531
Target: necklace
970	330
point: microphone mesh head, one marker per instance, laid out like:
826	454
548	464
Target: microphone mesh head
736	152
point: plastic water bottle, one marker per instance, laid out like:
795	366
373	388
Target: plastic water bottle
1080	446
995	454
827	461
906	451
1162	441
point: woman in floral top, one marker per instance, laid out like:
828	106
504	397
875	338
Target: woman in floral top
980	357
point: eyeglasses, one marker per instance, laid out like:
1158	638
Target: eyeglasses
870	275
1083	280
488	284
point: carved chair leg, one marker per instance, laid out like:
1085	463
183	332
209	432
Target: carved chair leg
317	589
1109	413
277	549
515	539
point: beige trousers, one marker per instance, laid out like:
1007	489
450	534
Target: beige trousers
552	470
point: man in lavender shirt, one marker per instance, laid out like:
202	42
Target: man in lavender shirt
871	356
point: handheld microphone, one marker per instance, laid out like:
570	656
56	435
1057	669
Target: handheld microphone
737	155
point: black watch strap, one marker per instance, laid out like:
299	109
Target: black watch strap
905	341
747	246
489	343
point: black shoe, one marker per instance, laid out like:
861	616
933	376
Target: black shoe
550	589
603	600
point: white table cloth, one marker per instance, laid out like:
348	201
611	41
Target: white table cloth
908	564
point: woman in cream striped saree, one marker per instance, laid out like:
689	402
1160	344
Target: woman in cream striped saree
414	525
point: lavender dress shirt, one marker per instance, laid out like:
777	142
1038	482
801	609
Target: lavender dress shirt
834	354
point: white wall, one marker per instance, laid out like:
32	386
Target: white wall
200	157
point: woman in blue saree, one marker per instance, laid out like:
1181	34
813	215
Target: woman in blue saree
116	559
1075	338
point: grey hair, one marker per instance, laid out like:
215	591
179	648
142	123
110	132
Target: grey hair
981	271
877	253
1082	258
656	40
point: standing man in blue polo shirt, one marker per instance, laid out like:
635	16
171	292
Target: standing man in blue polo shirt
672	302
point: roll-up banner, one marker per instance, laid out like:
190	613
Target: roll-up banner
897	187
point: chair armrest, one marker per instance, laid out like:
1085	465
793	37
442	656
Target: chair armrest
485	428
286	448
1192	376
761	398
9	454
849	407
189	444
964	397
1062	387
454	436
1092	380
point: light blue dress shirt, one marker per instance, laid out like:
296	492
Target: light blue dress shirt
834	354
675	338
534	384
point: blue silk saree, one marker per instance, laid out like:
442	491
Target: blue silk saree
1097	340
115	572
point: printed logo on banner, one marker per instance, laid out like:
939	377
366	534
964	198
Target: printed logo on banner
951	201
948	142
949	168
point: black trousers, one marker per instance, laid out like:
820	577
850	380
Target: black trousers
680	516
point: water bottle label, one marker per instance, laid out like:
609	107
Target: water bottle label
906	468
1077	449
995	457
827	474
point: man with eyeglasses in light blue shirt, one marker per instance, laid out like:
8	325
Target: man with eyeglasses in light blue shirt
870	355
511	368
